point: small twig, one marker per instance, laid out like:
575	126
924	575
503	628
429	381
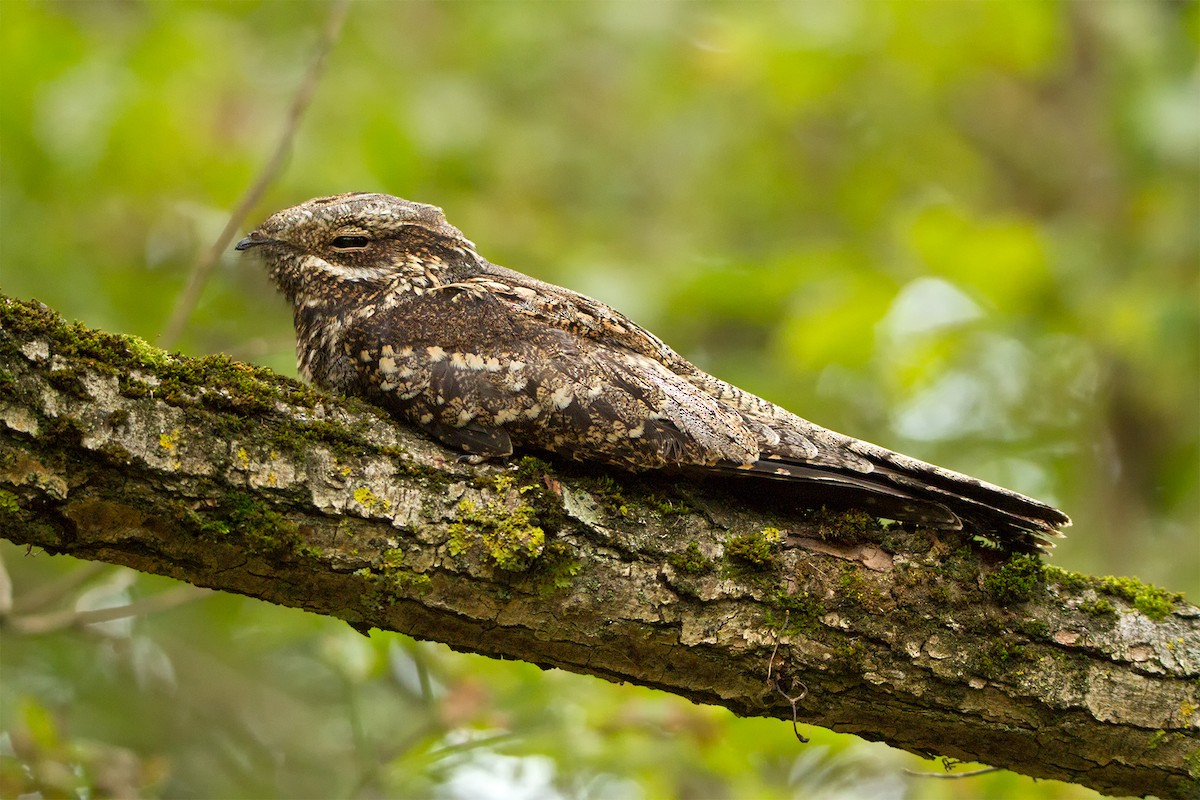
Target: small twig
787	616
50	593
471	744
795	707
794	701
921	774
6	593
304	94
58	620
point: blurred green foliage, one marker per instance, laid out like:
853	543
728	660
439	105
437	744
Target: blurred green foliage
965	230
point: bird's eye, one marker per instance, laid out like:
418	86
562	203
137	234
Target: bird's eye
350	242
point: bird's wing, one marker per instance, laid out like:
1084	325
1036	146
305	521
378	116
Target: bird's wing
545	386
574	312
779	431
789	447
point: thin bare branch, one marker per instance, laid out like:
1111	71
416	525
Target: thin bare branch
304	94
60	620
6	592
52	593
944	775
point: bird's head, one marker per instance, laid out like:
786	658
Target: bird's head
357	238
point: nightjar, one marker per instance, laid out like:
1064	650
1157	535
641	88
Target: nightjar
394	304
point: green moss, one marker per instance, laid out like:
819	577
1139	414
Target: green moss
666	507
507	534
391	580
940	594
691	561
1072	581
899	539
304	550
392	585
1033	629
854	588
610	494
264	530
9	503
620	496
214	529
851	655
215	392
68	383
1152	601
144	353
757	549
499	483
67	429
132	388
531	468
1016	580
1192	762
855	524
544	504
1100	607
534	480
797	613
169	441
410	582
962	565
850	525
249	523
556	569
998	657
400	577
181	380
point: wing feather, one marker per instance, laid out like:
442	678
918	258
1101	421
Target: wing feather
653	408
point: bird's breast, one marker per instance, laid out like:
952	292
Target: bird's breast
321	356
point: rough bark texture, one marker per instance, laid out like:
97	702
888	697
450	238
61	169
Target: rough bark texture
228	476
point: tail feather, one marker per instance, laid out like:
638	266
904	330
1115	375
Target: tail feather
958	484
872	495
905	489
990	510
793	449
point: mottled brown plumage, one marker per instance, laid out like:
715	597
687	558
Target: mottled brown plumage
394	304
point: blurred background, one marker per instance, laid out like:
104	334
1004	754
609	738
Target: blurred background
967	231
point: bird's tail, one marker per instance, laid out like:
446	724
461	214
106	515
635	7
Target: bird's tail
907	490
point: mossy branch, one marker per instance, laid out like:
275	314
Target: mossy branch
228	476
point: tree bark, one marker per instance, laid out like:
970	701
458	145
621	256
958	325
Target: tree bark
228	476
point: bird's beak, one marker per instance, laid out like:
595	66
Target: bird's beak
251	241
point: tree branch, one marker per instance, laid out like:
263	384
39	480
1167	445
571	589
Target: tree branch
228	476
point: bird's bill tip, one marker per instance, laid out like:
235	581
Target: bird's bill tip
252	240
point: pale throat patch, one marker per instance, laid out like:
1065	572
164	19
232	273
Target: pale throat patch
355	273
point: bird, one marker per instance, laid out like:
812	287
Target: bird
393	304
